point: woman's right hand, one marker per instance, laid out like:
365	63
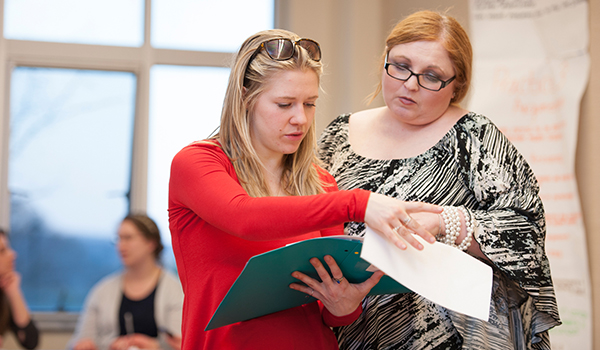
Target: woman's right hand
390	218
10	282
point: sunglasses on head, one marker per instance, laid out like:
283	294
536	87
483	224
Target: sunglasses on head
283	49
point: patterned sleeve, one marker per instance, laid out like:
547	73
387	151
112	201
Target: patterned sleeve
328	140
509	213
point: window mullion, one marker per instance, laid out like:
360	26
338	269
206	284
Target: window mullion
80	56
139	164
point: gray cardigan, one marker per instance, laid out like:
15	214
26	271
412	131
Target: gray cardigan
99	318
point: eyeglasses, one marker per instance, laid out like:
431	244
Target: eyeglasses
283	49
425	80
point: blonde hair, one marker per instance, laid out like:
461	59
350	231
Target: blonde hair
434	26
300	176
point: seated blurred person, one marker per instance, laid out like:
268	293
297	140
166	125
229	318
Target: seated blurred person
139	307
14	314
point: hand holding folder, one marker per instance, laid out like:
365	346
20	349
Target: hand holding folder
263	286
434	272
336	294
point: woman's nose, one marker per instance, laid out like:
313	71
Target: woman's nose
299	116
412	83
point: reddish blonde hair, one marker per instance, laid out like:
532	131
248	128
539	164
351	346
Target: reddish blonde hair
434	26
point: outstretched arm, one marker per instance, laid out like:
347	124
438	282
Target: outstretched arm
203	180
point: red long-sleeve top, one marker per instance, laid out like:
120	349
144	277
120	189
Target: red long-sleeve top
216	227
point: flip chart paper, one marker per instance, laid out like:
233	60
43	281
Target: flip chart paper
530	71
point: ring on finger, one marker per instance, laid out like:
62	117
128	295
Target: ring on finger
395	229
311	292
407	220
338	280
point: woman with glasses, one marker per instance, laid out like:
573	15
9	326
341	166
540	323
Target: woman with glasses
255	187
139	307
422	146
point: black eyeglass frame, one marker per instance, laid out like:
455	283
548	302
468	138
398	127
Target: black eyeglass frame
444	82
294	44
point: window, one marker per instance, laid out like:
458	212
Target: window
69	172
197	26
185	106
107	22
100	101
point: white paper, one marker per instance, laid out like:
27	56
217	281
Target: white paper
440	273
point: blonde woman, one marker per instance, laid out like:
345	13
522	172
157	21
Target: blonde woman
255	187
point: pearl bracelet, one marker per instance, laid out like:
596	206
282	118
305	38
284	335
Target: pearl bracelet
453	226
470	226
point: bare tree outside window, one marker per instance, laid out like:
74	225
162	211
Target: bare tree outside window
69	178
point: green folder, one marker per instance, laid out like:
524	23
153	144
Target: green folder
263	286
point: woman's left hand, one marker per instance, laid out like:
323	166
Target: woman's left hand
338	295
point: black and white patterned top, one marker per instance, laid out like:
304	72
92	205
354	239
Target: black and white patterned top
473	165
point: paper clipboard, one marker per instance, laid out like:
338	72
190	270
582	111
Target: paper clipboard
263	286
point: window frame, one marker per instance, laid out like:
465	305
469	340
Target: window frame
137	60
